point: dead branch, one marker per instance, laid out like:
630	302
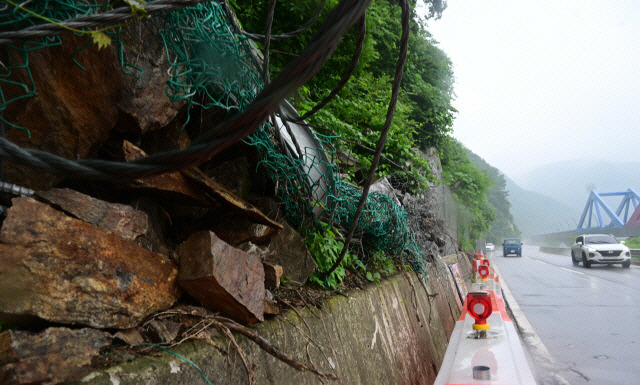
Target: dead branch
243	356
266	346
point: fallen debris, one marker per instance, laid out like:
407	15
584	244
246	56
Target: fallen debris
222	278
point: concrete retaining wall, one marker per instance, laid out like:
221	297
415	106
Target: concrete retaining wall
395	333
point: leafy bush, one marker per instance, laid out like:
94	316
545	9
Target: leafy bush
325	249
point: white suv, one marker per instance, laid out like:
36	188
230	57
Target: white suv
599	248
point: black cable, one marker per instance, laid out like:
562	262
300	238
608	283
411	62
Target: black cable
404	44
292	34
228	132
346	76
267	41
114	16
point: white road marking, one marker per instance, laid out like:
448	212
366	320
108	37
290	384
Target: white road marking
573	271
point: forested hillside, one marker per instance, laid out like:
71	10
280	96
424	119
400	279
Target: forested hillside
503	225
481	191
423	116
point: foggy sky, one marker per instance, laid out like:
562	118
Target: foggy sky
543	81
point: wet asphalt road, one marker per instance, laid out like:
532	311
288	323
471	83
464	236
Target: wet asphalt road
589	319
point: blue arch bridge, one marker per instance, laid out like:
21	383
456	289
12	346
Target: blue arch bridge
597	214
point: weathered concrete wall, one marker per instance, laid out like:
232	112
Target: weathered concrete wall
395	333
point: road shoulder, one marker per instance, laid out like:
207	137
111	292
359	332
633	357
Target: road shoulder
543	361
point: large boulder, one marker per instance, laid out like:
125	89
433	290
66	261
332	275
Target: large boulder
222	278
65	270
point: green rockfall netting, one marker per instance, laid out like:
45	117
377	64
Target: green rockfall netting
213	66
208	60
383	224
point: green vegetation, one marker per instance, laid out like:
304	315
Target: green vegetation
483	205
423	117
503	225
633	243
471	187
325	249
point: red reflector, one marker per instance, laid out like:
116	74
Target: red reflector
483	270
479	306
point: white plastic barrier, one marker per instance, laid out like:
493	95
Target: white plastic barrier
496	359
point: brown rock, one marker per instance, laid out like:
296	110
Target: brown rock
166	330
219	192
159	223
65	270
272	275
130	336
124	220
270	307
288	250
236	230
145	102
222	278
52	356
195	187
74	109
173	185
232	174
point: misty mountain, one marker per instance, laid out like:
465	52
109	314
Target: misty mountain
570	182
536	213
531	212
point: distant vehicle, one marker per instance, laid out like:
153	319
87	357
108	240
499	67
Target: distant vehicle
599	248
489	246
512	246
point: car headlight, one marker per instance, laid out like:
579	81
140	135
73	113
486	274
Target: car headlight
591	250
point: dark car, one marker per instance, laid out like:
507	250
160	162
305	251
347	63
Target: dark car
512	246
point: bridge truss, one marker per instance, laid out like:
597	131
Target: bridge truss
596	205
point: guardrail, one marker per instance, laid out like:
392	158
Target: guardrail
484	346
635	252
556	250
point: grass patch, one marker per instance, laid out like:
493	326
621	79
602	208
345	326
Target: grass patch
633	243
